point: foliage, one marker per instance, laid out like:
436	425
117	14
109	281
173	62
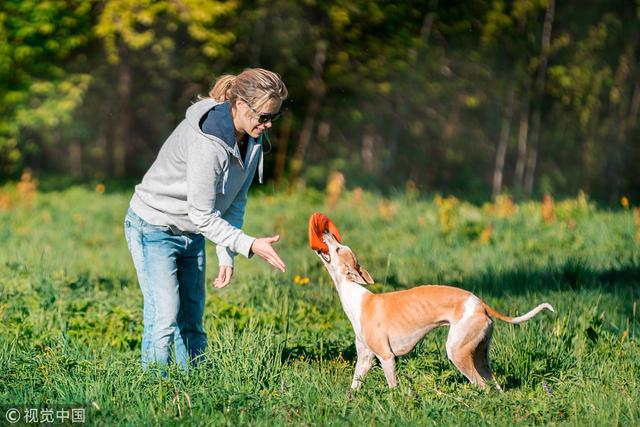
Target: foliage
38	91
280	347
133	22
384	92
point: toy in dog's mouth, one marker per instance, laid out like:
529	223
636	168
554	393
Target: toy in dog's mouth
318	225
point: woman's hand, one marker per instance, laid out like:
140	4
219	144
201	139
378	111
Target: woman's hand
224	276
262	248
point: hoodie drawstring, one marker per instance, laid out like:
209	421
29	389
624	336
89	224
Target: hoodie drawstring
225	176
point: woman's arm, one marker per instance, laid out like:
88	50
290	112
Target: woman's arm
206	165
235	216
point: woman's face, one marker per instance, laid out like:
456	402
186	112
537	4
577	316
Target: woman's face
247	118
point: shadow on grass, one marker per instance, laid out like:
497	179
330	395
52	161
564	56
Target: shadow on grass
571	275
85	282
330	351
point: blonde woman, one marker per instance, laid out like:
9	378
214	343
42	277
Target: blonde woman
196	189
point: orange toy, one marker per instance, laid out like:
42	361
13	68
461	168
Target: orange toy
318	224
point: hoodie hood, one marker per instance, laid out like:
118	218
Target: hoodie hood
219	122
213	120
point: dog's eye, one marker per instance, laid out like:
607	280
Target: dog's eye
337	250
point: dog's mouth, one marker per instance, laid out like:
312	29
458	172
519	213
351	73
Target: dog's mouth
325	257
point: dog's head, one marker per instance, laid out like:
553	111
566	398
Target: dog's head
341	262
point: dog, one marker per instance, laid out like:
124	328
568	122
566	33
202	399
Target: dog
390	324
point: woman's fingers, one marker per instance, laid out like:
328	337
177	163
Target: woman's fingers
276	261
262	247
224	276
274	258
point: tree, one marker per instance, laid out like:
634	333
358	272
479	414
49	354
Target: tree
130	27
39	86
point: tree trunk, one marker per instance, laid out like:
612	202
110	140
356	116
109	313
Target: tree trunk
400	99
259	35
635	99
523	133
621	168
539	93
631	137
501	152
619	108
317	88
632	133
283	146
75	158
444	175
523	128
367	152
122	129
635	103
168	90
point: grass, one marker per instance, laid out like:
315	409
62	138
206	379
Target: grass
281	349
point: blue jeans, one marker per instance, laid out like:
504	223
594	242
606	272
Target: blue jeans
171	273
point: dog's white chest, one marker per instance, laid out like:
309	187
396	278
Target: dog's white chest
351	296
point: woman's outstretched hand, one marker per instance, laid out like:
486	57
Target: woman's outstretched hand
262	248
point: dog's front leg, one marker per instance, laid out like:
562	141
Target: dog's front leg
389	367
365	360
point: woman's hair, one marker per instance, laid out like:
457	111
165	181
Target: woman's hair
256	86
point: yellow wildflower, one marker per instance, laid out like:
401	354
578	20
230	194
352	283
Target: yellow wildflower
485	236
624	201
548	209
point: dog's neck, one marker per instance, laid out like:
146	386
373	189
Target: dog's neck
351	295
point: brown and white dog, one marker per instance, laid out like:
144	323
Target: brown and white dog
390	324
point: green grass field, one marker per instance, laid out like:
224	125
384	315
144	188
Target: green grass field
281	349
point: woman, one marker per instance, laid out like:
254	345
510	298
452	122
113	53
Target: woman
196	188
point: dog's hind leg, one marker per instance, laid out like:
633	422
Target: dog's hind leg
461	343
365	360
464	363
481	357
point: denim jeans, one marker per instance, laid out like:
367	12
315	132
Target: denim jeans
171	273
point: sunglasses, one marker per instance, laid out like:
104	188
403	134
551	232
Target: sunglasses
264	117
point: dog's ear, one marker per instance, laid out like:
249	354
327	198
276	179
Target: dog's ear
358	275
365	275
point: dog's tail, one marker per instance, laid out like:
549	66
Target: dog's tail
518	319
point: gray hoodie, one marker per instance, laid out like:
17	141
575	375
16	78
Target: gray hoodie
198	183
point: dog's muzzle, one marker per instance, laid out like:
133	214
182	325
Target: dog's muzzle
325	257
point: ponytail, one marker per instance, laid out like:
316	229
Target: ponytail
221	91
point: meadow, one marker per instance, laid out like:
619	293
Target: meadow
280	347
